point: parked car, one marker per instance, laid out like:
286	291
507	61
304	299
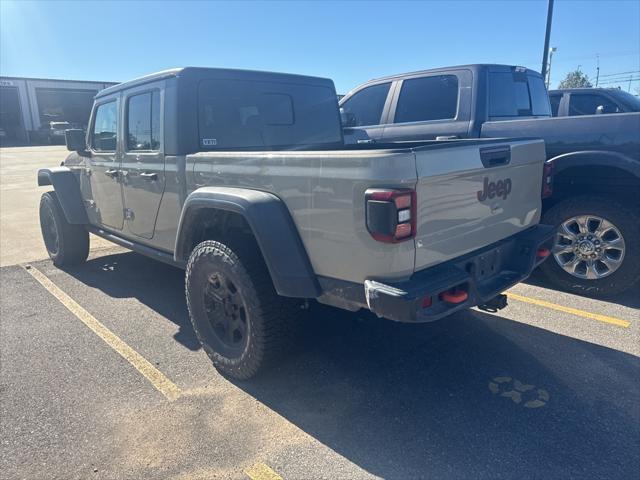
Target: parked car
56	131
595	201
592	101
247	184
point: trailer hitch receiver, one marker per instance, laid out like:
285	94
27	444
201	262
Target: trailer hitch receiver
496	303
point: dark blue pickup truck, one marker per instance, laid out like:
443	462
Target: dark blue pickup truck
596	158
572	102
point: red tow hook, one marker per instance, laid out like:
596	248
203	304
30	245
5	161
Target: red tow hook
543	252
454	296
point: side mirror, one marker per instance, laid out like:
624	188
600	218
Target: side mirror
75	140
347	119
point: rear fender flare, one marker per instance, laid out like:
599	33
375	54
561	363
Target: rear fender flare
272	226
595	158
67	188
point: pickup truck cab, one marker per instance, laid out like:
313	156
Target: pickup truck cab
243	179
572	102
595	158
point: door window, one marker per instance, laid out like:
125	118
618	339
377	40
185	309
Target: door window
428	98
366	105
143	121
581	104
105	128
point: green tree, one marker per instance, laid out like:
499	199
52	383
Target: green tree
576	79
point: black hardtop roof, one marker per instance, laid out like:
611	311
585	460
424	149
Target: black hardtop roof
203	72
471	66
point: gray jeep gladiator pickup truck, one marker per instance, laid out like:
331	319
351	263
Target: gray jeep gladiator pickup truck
243	179
595	158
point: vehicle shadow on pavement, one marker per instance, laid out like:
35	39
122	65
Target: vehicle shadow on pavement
474	396
471	396
152	283
630	298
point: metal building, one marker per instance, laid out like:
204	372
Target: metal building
29	105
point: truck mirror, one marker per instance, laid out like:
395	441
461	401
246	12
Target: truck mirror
347	119
74	138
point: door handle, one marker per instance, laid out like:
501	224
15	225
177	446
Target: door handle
113	173
446	137
152	177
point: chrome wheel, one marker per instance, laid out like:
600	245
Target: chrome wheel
227	313
589	247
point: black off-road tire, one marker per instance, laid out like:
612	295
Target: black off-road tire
66	244
269	318
626	220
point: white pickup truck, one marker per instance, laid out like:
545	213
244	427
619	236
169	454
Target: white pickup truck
243	179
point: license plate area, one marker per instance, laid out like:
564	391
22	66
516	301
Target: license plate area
486	265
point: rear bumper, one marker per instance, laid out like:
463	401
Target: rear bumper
482	274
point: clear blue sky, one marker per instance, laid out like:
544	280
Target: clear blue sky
349	42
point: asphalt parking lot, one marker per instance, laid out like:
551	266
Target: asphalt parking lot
102	377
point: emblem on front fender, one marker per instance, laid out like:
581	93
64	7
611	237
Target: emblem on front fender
490	190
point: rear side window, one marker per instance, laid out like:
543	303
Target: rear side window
585	104
366	105
555	104
143	121
248	114
515	94
105	128
427	98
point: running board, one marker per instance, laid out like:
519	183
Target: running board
136	247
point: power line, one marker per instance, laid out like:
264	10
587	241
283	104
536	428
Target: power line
619	73
622	80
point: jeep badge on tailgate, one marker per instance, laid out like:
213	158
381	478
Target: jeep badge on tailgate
501	188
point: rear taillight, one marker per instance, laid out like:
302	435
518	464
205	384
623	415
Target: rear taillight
547	180
391	214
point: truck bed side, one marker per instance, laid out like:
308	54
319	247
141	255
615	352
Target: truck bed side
324	192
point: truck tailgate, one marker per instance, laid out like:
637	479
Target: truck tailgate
474	194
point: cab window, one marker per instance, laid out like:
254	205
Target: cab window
105	128
366	106
428	98
581	104
143	121
517	94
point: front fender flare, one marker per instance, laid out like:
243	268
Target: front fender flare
67	188
273	228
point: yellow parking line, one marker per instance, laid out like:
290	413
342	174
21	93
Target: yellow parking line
151	373
573	311
261	471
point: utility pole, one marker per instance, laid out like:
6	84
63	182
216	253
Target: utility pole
547	37
548	78
630	80
597	68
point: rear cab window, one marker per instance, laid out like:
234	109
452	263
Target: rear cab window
517	94
253	114
427	98
105	127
